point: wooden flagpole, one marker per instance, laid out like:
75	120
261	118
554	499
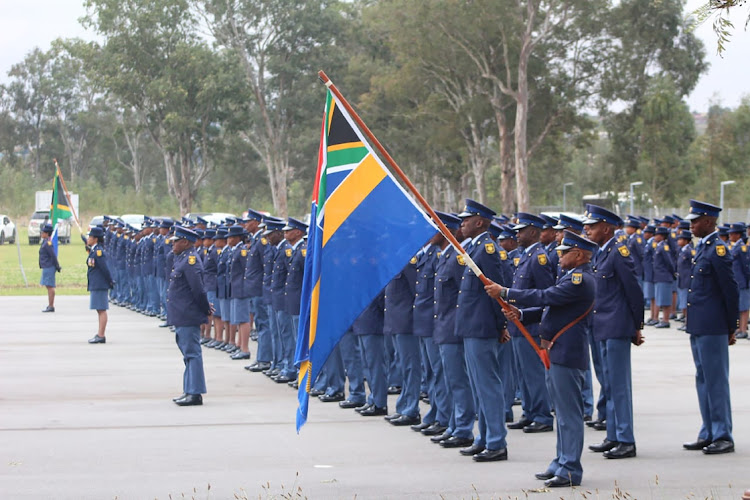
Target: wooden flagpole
67	197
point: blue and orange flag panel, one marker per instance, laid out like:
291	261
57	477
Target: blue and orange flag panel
59	208
366	228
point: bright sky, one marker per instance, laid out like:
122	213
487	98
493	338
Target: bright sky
35	23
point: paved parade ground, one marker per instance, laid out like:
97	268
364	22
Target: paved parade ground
84	421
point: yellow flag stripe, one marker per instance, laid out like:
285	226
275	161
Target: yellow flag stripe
314	301
346	145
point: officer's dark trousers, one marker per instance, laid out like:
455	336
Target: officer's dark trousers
395	377
288	342
619	388
188	340
373	355
440	399
565	387
273	327
407	346
596	359
711	358
534	394
265	342
457	381
508	376
352	359
484	374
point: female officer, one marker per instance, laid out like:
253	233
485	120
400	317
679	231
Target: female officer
49	265
99	281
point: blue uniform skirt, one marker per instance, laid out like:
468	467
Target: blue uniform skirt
211	296
648	290
240	311
99	300
225	309
682	294
745	299
48	277
663	294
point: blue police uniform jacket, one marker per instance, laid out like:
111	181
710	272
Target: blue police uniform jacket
534	271
618	311
636	247
370	321
122	251
236	272
558	306
294	275
222	262
447	281
47	257
130	256
477	314
674	248
149	269
685	265
210	268
515	257
160	256
713	296
399	301
648	260
664	266
138	257
254	267
269	256
284	254
98	275
424	292
187	304
741	264
169	261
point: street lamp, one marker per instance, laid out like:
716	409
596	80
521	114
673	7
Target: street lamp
632	196
721	197
565	198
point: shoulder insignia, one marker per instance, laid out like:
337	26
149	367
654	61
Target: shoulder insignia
127	237
218	251
49	243
721	250
304	252
413	260
577	278
461	260
192	260
439	254
98	253
263	241
516	260
542	258
639	240
624	251
559	253
288	252
692	252
666	247
153	240
503	255
205	252
489	248
654	244
119	235
243	252
744	248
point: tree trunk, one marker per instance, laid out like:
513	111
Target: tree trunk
522	111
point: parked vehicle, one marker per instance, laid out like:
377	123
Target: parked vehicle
40	218
43	201
135	220
7	230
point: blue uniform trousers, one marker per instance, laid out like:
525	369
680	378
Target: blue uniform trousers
288	342
427	384
711	358
457	381
321	383
352	359
395	378
508	376
335	373
273	327
440	398
596	359
534	394
484	374
265	346
615	355
153	294
587	393
407	347
188	340
162	285
373	355
565	385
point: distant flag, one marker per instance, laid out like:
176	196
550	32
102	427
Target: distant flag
59	208
364	228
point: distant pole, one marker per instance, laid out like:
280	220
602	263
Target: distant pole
20	263
721	198
565	195
632	196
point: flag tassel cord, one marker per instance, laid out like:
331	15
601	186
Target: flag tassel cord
542	353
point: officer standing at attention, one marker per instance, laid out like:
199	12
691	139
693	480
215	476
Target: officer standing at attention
562	310
187	309
712	318
684	270
49	266
741	267
618	321
99	281
664	275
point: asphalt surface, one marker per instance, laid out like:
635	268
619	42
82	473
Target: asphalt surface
86	421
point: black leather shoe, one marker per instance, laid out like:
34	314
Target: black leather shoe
594	422
587	418
394	389
491	455
544	475
348	404
472	450
738	335
535	427
332	398
240	355
520	424
440	437
404	420
600	426
622	450
220	345
558	482
205	340
164	325
190	400
374	411
293	384
652	322
260	366
662	324
271	372
284	379
696	445
392	416
48	309
603	446
718	447
316	392
365	406
516	402
420	426
96	339
457	442
179	397
434	430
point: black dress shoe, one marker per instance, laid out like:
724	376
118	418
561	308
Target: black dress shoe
622	450
420	426
458	442
520	424
738	335
544	475
293	384
491	455
394	389
434	430
404	420
516	402
271	372
392	416
240	355
316	392
260	366
600	426
360	409
332	398
441	437
558	482
603	446
587	418
594	422
471	450
374	411
535	427
48	309
284	379
190	400
179	397
718	447
348	404
662	324
696	445
205	340
96	339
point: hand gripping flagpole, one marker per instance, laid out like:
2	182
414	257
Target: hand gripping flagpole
542	353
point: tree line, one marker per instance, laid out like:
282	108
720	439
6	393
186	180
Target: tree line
215	103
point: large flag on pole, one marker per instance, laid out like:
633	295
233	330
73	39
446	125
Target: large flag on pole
364	228
59	208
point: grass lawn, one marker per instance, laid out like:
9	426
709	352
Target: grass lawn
72	258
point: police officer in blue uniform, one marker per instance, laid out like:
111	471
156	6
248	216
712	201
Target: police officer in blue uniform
239	322
49	265
664	275
741	267
368	328
254	283
294	233
99	281
562	310
712	318
648	273
684	271
617	322
187	309
635	243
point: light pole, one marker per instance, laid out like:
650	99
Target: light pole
721	196
565	198
632	196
